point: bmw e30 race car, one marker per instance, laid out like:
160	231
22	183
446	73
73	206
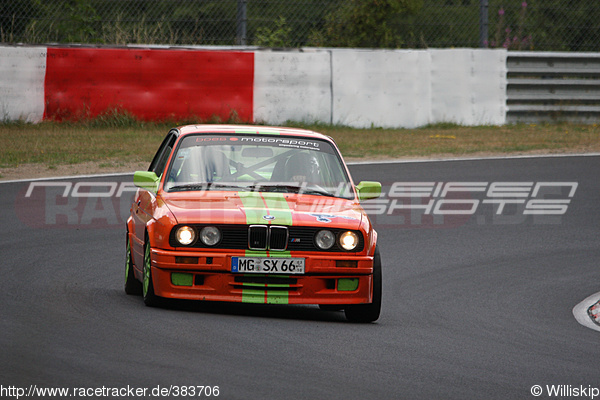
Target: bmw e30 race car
256	215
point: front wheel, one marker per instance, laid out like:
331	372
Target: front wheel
132	285
150	299
368	312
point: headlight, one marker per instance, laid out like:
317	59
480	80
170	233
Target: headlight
185	235
348	240
210	235
325	239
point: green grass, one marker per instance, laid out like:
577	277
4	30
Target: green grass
70	143
116	139
452	140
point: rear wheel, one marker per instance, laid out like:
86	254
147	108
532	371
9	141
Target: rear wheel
150	299
368	312
132	285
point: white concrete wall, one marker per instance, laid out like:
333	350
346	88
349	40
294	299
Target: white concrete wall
293	86
468	86
381	88
22	73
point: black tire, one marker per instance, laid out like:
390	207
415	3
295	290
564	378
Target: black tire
132	285
150	299
331	307
364	313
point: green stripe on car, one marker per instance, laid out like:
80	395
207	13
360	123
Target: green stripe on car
259	205
253	294
278	208
254	207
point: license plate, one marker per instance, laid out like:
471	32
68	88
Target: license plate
267	265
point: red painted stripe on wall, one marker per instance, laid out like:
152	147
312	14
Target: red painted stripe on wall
150	84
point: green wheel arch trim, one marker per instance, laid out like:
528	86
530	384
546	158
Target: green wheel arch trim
147	269
127	260
150	298
132	285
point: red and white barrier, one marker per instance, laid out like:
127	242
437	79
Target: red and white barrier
150	84
358	88
22	72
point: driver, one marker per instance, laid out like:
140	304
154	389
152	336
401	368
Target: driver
302	167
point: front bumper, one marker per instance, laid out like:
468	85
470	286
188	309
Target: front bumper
176	275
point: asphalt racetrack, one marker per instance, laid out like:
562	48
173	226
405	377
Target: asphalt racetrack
476	306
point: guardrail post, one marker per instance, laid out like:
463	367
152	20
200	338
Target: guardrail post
242	23
483	23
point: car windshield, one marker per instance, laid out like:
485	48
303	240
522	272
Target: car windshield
258	163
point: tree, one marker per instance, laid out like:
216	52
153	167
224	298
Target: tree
14	16
365	23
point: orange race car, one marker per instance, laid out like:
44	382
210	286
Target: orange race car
256	215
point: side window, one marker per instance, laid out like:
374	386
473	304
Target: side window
162	155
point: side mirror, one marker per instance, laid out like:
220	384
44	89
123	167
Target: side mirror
146	180
368	190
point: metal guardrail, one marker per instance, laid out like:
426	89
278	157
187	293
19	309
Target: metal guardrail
548	86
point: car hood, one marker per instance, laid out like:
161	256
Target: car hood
216	207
